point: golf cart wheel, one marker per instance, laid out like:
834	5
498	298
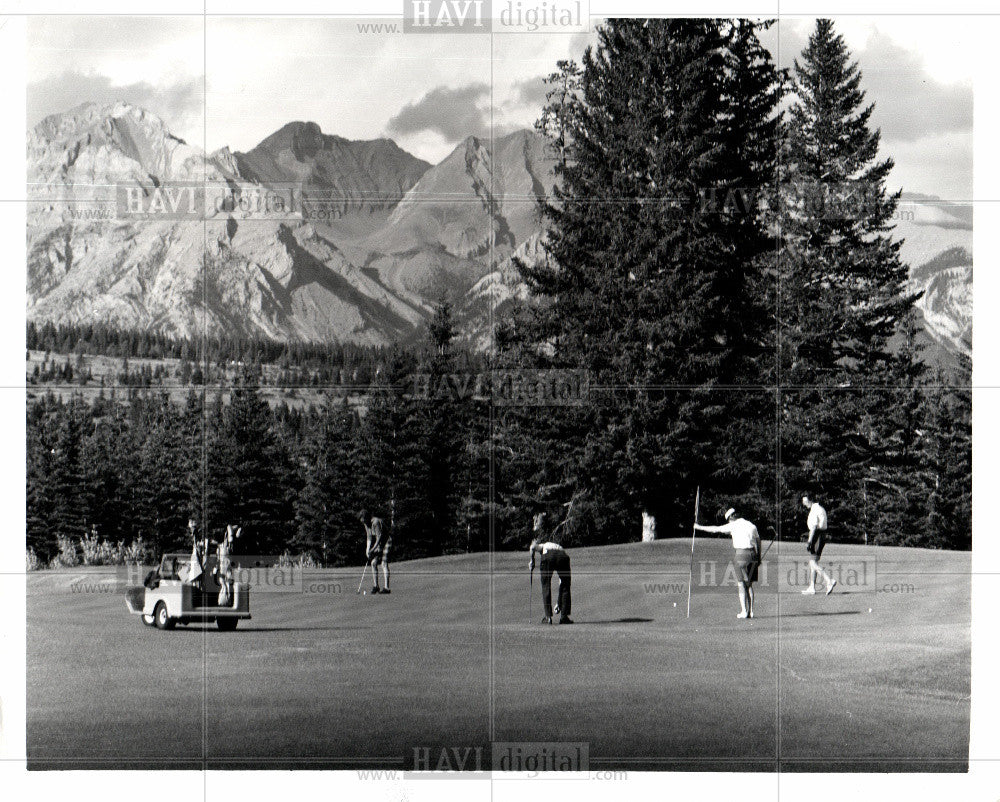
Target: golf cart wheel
227	624
160	617
147	620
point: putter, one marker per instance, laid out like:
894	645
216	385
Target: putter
531	584
363	571
762	556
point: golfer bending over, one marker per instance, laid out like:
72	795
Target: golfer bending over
377	544
746	559
814	545
554	559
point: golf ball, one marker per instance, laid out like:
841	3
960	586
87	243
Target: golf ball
365	593
675	604
869	609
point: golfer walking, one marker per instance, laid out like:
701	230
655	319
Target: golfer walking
377	543
746	557
552	559
816	539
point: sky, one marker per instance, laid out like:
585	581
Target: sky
428	92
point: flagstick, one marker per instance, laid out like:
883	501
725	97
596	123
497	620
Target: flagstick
697	499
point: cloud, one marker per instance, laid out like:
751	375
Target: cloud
938	165
109	33
178	104
530	92
451	113
579	41
909	103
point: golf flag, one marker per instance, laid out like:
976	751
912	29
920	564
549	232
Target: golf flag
697	499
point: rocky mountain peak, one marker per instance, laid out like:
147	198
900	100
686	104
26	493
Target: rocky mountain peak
399	233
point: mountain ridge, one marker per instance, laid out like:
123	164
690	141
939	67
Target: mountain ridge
380	235
350	174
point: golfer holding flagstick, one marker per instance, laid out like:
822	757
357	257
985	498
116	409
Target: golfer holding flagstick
746	558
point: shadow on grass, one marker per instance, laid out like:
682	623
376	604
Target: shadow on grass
620	621
810	615
213	628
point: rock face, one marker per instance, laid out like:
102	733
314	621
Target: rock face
95	146
352	176
235	271
463	217
394	234
496	292
937	244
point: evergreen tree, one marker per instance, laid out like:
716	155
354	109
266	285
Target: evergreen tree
896	483
40	469
946	459
394	473
556	122
248	472
753	90
442	421
649	282
164	478
71	496
841	292
195	442
110	468
327	506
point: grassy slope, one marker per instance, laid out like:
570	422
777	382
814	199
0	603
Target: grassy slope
345	680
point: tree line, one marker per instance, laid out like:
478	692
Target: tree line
140	465
357	361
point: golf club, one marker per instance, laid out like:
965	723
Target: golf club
531	583
363	571
762	556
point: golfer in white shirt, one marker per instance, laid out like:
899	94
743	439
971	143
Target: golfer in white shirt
814	545
746	557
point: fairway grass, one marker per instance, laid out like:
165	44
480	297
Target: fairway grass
326	678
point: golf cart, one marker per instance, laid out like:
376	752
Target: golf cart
166	597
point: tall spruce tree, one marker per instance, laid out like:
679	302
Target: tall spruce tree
248	472
946	459
754	89
650	283
444	420
841	295
326	508
561	101
396	477
161	482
